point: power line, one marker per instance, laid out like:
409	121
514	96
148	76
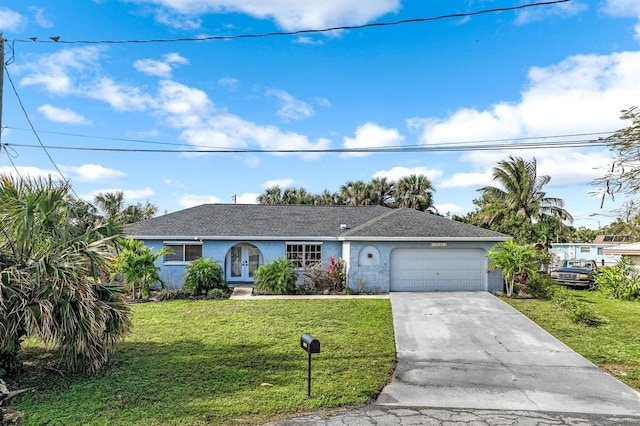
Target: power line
584	143
300	32
189	145
15	91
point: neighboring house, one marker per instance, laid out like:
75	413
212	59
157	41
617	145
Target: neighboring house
592	251
384	249
632	251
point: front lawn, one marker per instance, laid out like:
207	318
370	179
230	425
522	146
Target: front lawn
224	362
614	346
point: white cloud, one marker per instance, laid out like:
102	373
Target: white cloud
28	172
153	67
290	107
229	83
452	209
581	94
162	69
290	15
11	20
370	135
192	200
76	72
247	198
625	8
308	40
398	172
130	195
563	10
175	183
57	72
40	17
500	122
120	97
282	183
94	173
62	115
323	102
204	126
467	180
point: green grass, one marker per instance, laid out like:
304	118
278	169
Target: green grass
205	362
614	346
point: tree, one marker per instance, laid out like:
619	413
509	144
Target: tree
272	196
355	193
522	193
381	191
624	173
112	208
414	192
51	278
514	260
136	265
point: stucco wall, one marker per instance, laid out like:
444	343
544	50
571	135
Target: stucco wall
172	273
374	272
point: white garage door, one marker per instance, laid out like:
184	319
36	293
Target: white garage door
437	270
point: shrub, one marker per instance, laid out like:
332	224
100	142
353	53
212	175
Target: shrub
219	293
621	281
277	277
577	311
335	271
171	294
202	275
540	285
315	279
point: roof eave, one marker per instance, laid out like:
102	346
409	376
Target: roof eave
479	239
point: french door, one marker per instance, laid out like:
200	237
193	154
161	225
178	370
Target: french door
242	262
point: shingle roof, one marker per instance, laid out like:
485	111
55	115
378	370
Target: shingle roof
299	221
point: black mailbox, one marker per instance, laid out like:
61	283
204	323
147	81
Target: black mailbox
310	343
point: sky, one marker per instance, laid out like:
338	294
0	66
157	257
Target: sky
530	76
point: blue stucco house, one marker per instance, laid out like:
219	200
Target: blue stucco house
384	249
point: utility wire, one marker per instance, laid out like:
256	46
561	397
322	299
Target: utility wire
299	32
142	141
585	143
15	91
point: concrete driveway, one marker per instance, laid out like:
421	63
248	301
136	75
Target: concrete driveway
471	350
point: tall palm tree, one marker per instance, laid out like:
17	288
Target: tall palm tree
110	204
414	192
51	271
522	192
355	193
381	191
272	196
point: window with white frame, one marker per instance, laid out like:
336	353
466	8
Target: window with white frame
304	254
600	251
585	249
182	251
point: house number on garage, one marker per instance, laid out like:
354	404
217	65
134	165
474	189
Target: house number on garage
438	244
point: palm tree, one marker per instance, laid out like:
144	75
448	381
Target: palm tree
514	260
381	191
414	192
136	265
522	192
51	278
110	204
272	196
355	193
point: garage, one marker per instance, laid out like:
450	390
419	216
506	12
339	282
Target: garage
414	269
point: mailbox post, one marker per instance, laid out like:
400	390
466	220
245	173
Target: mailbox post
312	346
